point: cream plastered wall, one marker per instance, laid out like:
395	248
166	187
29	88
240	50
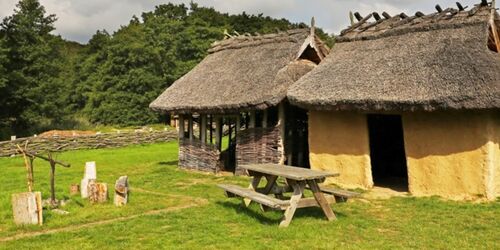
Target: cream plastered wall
339	142
455	155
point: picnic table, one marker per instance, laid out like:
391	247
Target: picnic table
296	181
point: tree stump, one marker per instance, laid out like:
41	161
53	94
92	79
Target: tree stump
98	192
27	208
74	189
121	191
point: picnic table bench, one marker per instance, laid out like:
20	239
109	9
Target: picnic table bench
296	181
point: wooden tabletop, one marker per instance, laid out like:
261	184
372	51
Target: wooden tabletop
294	173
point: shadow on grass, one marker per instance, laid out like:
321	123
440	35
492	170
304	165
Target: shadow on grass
169	163
314	212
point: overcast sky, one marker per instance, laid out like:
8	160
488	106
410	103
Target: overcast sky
79	19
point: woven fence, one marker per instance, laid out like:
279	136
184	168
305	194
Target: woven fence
258	145
197	156
105	140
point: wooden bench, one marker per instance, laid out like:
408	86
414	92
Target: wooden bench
340	194
265	200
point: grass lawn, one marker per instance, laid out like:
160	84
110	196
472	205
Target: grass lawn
171	208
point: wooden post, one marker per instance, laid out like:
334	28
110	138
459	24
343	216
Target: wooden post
211	130
190	127
282	125
181	127
264	119
238	123
496	36
218	133
203	129
52	181
252	119
229	122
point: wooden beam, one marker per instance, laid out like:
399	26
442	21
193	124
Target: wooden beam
218	132
494	28
438	8
386	15
238	123
203	129
190	127
358	24
230	132
181	126
358	16
282	126
210	128
252	119
264	119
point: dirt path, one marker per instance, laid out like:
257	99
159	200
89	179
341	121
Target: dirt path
191	202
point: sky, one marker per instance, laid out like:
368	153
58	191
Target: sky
78	20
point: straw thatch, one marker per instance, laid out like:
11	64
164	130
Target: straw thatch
240	73
434	62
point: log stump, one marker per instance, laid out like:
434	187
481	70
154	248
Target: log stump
27	208
98	192
121	191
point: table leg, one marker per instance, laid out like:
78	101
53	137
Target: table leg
271	181
298	190
320	198
253	186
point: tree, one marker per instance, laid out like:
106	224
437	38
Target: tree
32	66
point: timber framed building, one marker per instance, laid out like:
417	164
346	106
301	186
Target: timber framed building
238	92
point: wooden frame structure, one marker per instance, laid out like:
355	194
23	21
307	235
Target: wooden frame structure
243	101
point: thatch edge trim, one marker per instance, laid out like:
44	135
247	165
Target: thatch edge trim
403	31
445	104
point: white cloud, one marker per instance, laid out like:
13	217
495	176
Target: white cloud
79	19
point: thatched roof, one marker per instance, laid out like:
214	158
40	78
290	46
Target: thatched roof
423	62
240	73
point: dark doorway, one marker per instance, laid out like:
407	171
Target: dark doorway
387	152
297	146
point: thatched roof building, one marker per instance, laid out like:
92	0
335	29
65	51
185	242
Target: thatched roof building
410	103
439	61
239	74
241	86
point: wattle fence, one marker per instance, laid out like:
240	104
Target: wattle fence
104	140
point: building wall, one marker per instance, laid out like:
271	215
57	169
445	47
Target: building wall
455	155
338	142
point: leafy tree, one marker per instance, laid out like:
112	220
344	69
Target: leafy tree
31	91
47	82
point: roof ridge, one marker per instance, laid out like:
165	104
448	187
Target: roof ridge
245	40
363	28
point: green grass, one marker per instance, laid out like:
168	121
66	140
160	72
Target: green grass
221	222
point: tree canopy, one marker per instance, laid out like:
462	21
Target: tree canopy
47	82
